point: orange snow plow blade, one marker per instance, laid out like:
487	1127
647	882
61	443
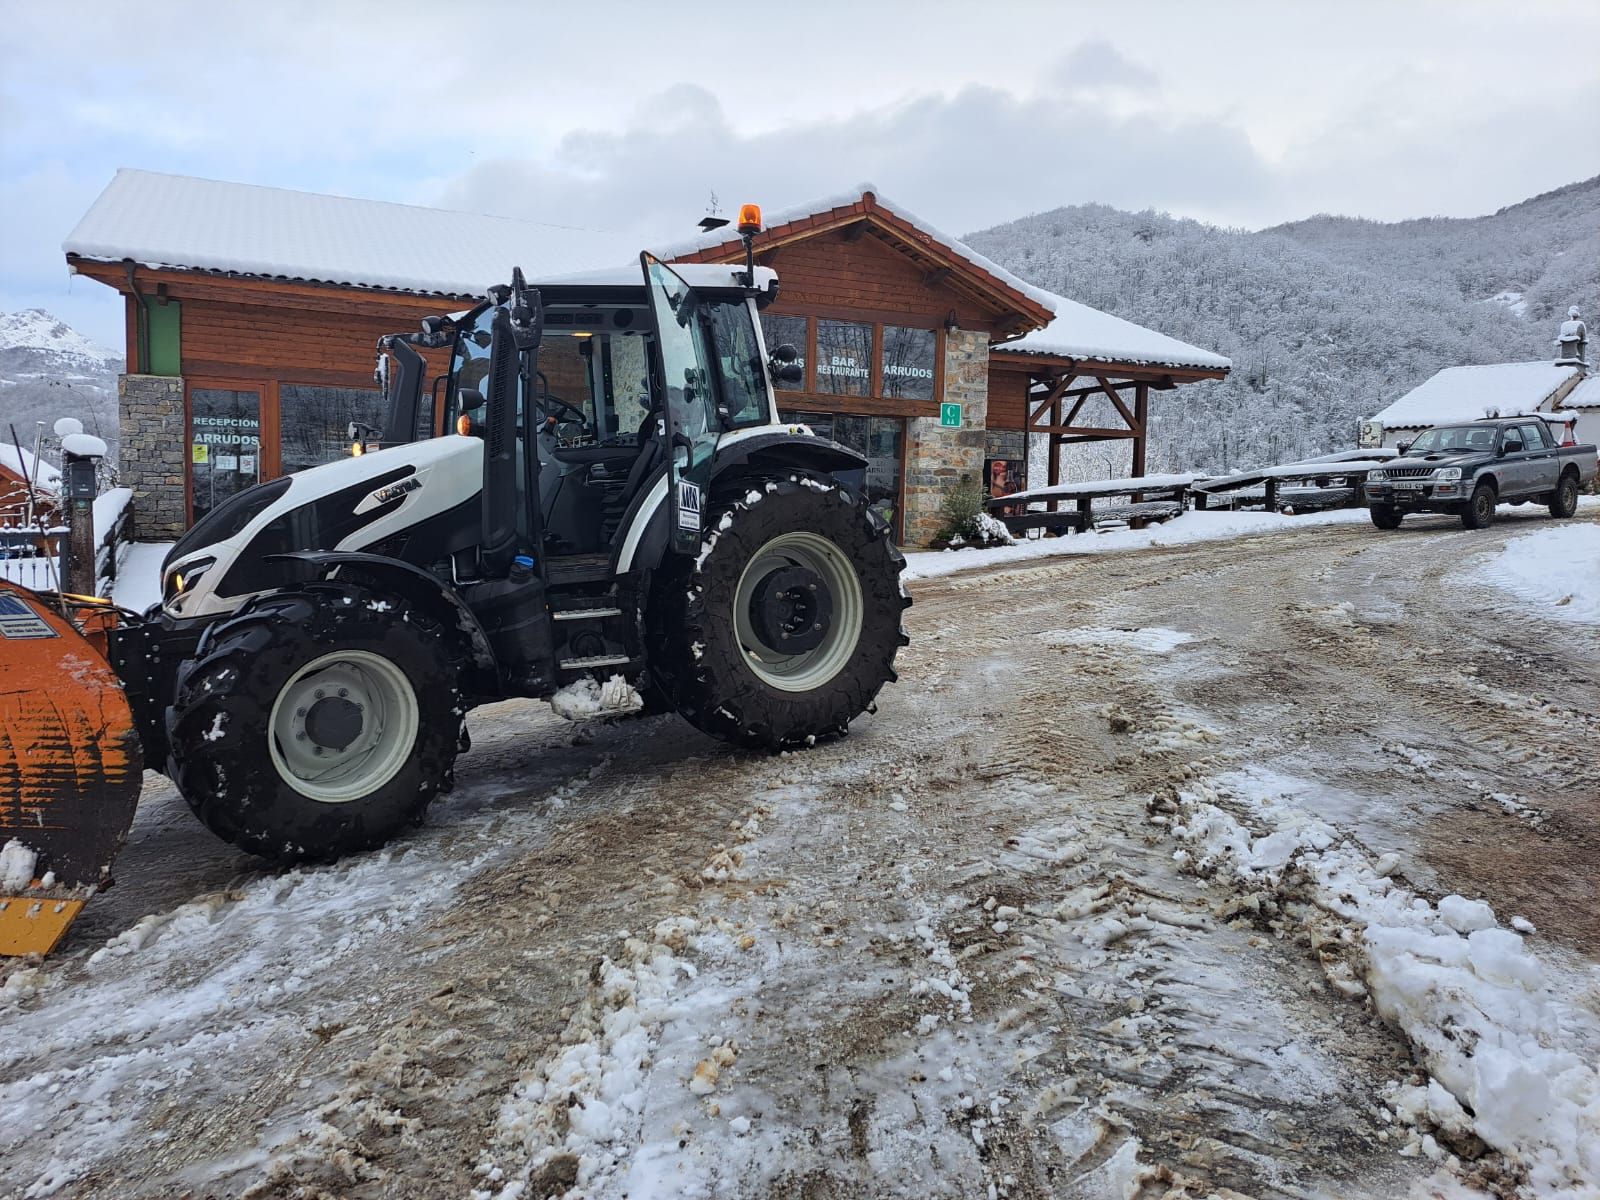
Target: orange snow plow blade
70	771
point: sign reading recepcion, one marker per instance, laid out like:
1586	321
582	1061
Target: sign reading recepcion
950	415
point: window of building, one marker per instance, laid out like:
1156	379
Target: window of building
314	422
844	358
777	330
908	356
880	440
224	444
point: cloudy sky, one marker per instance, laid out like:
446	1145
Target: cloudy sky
629	117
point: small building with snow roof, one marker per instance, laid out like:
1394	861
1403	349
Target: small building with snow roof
1458	394
253	312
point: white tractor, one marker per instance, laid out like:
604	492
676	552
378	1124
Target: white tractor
603	501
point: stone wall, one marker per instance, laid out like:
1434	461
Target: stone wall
938	460
150	409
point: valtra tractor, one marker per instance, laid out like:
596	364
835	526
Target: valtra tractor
602	505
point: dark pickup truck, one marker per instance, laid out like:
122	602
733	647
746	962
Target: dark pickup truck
1468	469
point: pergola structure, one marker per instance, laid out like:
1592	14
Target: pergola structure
1059	387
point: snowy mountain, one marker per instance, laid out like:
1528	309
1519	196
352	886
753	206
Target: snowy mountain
49	370
1327	319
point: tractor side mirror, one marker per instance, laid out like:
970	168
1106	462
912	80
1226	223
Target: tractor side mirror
790	373
785	353
1403	447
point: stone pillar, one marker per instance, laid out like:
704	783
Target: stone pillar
150	411
938	460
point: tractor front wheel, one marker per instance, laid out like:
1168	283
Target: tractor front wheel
786	626
316	723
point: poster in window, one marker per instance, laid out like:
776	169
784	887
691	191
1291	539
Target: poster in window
1004	477
908	362
844	358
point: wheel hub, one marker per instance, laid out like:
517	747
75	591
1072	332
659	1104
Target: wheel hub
791	609
342	726
333	722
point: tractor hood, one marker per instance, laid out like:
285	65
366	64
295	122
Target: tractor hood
351	504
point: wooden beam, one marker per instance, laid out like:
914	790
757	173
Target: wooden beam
1122	409
936	276
1141	409
1092	433
1052	397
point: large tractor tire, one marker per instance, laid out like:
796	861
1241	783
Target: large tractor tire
786	625
317	723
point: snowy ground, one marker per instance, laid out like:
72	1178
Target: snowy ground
1262	866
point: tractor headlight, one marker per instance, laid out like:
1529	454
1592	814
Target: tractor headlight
1447	474
183	579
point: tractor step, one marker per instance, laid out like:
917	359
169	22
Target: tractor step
584	614
596	660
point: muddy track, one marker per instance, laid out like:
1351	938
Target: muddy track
951	950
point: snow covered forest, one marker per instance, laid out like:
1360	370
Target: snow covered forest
1326	319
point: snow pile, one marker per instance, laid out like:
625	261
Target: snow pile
1556	571
1469	393
16	866
1149	640
573	1117
138	582
586	699
1474	1004
1189	527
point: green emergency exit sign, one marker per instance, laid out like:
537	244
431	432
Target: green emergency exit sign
950	416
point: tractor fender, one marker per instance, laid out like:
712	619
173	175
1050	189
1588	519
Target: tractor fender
407	580
778	453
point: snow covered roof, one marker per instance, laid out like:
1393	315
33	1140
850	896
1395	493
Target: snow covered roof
1585	395
1081	332
1469	393
276	233
203	224
22	463
1077	331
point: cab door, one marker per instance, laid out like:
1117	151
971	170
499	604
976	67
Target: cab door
689	405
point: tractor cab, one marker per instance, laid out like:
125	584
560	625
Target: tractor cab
616	371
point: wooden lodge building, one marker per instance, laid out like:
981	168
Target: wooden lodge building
252	315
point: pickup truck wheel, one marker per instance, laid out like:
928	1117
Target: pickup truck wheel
1564	500
1384	516
1479	513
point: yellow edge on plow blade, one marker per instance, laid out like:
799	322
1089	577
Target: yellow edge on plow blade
70	771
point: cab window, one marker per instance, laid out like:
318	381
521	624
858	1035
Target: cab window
1511	440
1533	436
742	373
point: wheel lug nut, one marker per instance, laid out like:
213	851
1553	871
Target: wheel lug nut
343	692
299	712
301	736
320	693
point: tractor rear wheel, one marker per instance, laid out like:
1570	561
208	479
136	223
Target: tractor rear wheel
786	626
316	723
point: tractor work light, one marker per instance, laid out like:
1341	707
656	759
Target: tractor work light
749	218
464	425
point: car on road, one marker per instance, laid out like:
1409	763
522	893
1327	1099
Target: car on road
1468	469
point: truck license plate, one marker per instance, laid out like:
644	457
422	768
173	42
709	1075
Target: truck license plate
1415	484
